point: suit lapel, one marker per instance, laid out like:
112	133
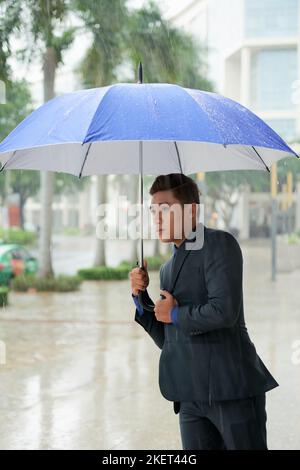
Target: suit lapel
179	260
172	270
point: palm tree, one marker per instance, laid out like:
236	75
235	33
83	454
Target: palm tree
105	20
16	93
43	19
121	38
168	55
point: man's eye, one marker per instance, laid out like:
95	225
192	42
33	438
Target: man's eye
162	208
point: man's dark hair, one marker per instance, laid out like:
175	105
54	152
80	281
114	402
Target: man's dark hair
184	188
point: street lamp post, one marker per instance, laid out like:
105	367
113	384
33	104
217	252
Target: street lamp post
274	218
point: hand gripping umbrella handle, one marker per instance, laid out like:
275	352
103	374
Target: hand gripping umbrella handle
142	300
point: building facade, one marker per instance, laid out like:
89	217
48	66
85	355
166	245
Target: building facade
254	58
253	54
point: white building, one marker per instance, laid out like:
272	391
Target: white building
253	54
254	58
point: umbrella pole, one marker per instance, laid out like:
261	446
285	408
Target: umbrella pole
141	182
141	295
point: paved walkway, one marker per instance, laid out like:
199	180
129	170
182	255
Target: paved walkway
81	374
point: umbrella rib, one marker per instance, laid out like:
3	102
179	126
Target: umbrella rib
85	157
260	158
177	151
3	166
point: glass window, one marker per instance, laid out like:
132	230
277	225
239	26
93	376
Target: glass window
273	72
266	18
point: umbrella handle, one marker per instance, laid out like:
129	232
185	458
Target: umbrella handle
143	303
146	305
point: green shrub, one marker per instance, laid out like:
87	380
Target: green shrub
17	235
71	231
293	238
60	283
119	272
3	296
23	282
104	273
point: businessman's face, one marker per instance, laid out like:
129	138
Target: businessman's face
172	220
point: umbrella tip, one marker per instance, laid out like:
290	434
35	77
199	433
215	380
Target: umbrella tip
140	72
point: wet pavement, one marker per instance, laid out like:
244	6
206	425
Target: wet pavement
71	253
81	374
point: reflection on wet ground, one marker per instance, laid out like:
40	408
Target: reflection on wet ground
81	374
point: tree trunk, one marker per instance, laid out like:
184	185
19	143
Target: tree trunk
47	178
156	250
7	191
22	204
100	255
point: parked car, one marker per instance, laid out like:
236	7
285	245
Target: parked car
15	260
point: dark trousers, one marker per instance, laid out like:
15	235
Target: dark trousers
233	424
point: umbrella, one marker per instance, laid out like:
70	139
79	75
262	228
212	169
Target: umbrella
142	128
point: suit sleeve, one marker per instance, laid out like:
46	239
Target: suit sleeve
150	324
223	269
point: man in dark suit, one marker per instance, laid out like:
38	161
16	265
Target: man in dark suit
208	366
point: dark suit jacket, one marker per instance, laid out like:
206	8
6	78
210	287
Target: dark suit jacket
208	356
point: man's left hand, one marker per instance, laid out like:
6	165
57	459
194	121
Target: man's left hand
163	307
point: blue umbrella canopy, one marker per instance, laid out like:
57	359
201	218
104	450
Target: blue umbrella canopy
100	131
143	128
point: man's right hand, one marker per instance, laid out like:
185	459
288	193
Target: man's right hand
139	279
